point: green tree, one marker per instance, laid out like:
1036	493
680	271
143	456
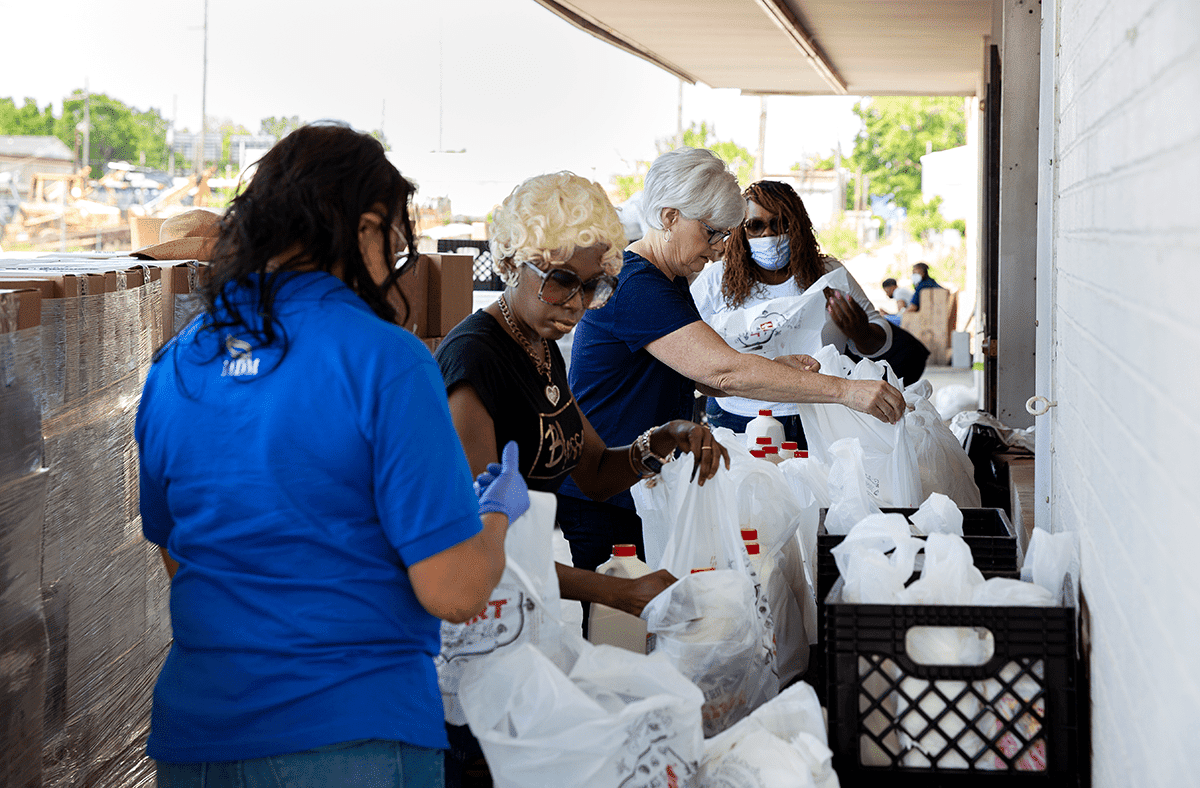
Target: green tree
280	127
118	132
738	158
895	135
26	120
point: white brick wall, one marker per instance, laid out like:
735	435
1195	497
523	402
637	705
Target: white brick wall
1126	432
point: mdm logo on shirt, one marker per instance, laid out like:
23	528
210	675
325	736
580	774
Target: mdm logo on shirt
241	361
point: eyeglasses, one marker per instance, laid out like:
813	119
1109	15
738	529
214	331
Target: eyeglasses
758	228
559	285
715	236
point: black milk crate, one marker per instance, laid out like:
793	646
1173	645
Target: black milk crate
1018	719
987	531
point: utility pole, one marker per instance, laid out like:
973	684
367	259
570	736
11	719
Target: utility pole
679	117
171	135
762	138
203	97
87	122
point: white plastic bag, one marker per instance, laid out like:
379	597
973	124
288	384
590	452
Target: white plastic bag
614	718
850	498
523	608
715	625
766	503
944	465
1052	561
706	624
783	744
891	472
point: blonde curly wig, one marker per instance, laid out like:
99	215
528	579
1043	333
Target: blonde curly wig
548	217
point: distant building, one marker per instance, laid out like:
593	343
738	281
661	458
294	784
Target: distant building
821	190
25	156
950	174
246	149
184	147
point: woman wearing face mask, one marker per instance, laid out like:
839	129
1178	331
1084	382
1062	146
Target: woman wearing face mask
771	260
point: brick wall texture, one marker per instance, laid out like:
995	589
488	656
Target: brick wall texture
1126	431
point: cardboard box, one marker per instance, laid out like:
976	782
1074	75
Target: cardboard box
432	343
19	309
61	284
414	284
180	280
451	281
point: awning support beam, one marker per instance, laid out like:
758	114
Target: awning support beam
782	16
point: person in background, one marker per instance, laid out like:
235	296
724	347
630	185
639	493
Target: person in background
901	297
637	361
557	244
921	281
301	474
771	259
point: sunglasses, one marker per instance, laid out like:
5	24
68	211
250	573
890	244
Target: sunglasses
757	228
715	236
559	285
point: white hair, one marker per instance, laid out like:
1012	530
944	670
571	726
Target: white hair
697	184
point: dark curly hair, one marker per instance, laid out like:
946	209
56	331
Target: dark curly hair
805	266
305	200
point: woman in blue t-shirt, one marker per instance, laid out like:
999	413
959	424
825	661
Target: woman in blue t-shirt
301	474
639	360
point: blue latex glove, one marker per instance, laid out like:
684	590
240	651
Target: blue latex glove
507	493
485	479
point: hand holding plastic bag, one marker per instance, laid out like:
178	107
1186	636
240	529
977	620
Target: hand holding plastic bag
523	608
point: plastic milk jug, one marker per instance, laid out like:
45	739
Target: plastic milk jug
764	426
616	627
772	454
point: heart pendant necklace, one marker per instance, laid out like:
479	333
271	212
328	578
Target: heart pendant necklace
552	392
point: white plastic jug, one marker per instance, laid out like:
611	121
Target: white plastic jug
616	627
764	425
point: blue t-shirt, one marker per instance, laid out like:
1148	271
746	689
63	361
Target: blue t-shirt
621	388
294	493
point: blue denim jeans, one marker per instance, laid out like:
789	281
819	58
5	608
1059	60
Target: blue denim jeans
368	763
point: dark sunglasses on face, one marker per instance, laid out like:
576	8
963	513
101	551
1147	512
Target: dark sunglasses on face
559	285
757	228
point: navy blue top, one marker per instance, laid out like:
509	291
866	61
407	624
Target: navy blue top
621	388
926	283
294	493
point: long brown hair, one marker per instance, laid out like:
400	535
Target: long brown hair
804	265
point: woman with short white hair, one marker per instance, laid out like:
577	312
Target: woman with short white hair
639	360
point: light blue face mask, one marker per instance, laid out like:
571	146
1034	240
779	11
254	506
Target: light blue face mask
772	253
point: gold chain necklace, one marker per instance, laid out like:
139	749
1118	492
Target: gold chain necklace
552	392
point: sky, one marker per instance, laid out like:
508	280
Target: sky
515	87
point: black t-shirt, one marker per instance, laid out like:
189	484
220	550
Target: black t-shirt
480	352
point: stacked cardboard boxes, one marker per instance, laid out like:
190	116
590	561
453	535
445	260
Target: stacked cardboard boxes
84	621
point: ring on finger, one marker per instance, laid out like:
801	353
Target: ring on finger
706	448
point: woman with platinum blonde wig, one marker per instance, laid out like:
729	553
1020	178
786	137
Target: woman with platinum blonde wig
557	242
547	218
639	360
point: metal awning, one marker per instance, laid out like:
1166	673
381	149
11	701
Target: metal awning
801	47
